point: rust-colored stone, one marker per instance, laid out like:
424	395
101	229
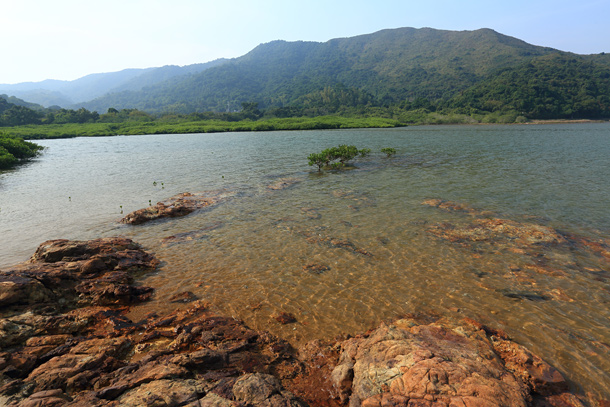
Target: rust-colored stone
177	206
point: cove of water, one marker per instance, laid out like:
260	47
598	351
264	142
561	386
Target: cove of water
248	256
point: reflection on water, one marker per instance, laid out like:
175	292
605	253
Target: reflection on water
527	252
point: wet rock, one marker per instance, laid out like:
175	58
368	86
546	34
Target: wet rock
541	378
198	234
183	297
285	318
316	268
177	206
283	183
65	273
440	364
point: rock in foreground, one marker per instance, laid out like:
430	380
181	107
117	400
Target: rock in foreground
444	364
64	273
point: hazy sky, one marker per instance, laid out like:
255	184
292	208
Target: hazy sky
68	39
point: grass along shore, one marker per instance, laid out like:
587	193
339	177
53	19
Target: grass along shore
33	132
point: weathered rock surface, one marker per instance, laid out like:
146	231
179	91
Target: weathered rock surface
63	273
171	360
439	363
176	206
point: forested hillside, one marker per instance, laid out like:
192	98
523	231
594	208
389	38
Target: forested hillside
554	86
390	65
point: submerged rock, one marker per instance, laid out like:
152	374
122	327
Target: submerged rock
314	236
499	230
283	183
285	318
185	296
316	268
176	206
192	235
450	206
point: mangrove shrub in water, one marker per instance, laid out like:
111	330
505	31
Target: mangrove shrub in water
336	157
389	151
14	150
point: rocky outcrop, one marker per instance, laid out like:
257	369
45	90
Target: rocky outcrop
189	356
65	339
176	206
410	363
63	273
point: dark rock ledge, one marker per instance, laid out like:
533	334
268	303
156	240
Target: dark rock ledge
65	341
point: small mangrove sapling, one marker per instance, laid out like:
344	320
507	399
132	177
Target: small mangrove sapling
364	152
318	159
389	151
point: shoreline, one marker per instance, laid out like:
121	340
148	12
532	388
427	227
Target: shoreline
28	132
82	350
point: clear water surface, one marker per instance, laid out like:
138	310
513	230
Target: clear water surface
248	256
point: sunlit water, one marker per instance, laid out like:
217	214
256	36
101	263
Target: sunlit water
248	255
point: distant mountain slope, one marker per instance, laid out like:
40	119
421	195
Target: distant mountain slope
548	87
63	93
69	93
391	65
12	100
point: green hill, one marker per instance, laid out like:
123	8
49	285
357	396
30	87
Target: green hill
390	65
550	87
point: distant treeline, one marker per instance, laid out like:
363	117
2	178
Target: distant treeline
551	87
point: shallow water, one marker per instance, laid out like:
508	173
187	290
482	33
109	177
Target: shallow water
249	255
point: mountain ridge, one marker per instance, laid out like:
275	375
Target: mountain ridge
392	65
388	67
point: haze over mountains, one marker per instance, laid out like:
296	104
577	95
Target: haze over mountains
386	67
